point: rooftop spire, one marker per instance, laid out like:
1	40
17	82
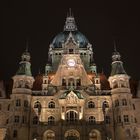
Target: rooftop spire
70	12
115	50
70	22
117	64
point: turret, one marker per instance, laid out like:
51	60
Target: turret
118	77
23	78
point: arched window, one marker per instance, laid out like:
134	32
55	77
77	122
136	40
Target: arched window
91	104
71	116
106	104
37	104
124	102
51	104
35	120
51	120
92	120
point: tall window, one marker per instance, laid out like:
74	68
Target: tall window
126	118
35	120
124	102
51	120
92	120
18	102
51	104
119	119
71	116
91	104
17	119
14	133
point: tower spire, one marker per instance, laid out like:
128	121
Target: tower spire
117	64
70	12
70	24
115	50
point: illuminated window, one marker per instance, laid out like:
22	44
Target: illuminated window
35	120
51	120
51	104
126	118
92	120
71	116
18	102
91	104
124	102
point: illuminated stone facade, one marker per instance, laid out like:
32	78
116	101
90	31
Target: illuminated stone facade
71	100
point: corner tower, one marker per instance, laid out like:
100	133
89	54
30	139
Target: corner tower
21	98
123	113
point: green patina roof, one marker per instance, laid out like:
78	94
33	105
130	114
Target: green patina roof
117	68
79	95
24	69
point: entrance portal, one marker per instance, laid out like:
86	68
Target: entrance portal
72	134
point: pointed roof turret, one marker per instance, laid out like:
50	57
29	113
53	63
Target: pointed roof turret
70	24
117	64
25	65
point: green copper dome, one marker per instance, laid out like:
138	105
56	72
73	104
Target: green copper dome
62	37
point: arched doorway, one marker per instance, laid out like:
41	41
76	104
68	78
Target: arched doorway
49	135
94	135
72	134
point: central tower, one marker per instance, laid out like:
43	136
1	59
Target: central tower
70	41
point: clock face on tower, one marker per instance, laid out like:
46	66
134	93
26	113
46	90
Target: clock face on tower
71	62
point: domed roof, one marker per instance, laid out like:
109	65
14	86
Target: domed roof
62	37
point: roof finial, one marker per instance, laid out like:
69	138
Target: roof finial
70	12
27	46
115	50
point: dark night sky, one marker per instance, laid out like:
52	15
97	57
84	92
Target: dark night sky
101	22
